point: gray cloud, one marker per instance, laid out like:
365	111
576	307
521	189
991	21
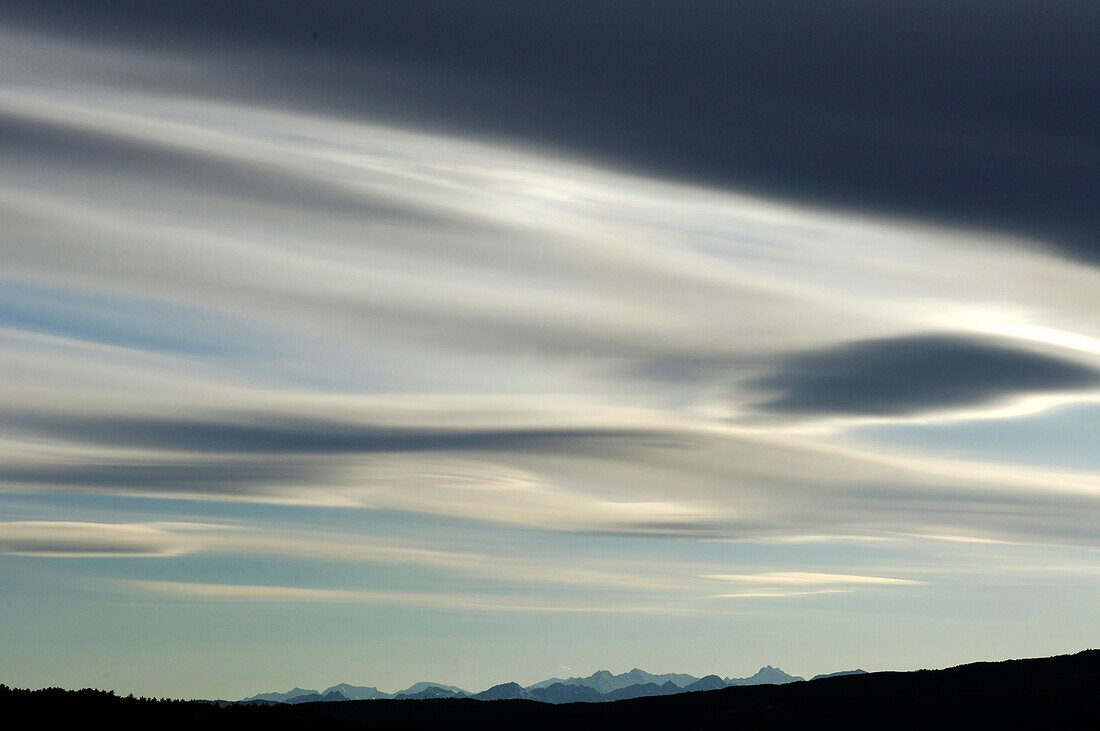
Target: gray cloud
656	480
273	434
79	539
188	473
913	374
937	111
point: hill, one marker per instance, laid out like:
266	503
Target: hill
1054	692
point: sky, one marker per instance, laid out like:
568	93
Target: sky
475	342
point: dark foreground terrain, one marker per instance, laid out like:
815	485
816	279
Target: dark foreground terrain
1056	692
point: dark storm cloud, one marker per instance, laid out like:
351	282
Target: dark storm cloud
906	375
981	112
293	435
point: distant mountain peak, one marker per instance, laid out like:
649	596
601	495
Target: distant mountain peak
356	692
766	675
424	685
425	690
280	697
503	692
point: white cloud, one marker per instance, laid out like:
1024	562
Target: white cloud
803	578
423	600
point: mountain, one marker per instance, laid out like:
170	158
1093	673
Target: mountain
605	682
837	675
280	697
643	690
357	692
602	685
432	691
710	682
504	692
638	677
423	686
315	697
563	693
766	675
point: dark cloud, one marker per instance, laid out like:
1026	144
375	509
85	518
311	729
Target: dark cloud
981	112
76	547
906	375
209	475
293	435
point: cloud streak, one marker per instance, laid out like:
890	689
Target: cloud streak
804	578
420	600
157	540
89	540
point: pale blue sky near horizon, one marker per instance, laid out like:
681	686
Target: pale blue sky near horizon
384	356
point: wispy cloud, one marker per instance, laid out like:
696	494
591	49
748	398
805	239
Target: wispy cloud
89	540
422	600
776	594
802	578
93	540
784	584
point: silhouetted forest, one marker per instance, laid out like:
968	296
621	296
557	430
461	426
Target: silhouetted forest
1056	692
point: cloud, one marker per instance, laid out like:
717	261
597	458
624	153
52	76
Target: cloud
90	540
458	602
567	309
167	474
913	374
261	434
801	578
955	118
784	584
163	539
729	483
303	308
776	594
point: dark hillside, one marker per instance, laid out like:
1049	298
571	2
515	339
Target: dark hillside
1052	692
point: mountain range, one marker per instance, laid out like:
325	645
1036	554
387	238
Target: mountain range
601	685
1053	692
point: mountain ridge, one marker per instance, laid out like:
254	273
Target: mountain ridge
602	685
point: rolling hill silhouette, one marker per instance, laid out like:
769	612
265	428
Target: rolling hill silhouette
1062	691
